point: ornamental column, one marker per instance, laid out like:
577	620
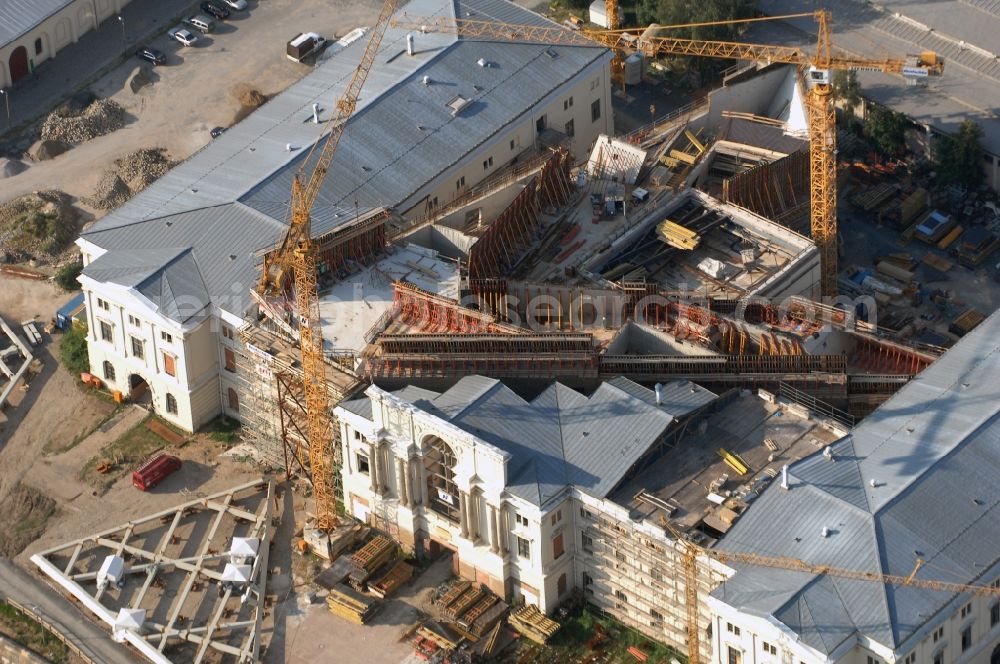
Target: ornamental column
404	499
494	531
463	513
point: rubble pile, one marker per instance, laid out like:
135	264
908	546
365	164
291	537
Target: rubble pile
101	117
130	174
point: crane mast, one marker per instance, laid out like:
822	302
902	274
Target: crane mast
297	255
819	101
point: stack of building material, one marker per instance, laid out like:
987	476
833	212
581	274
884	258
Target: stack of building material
965	322
870	198
351	605
483	622
439	634
532	623
369	558
677	236
397	575
457	608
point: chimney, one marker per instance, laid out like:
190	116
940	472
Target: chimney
784	476
315	113
427	80
825	532
659	393
409	44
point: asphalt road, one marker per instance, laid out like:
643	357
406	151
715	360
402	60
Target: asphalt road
93	641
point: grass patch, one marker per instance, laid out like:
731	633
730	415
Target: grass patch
570	642
224	429
73	350
124	453
25	511
32	635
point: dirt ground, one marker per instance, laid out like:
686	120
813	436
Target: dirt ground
192	94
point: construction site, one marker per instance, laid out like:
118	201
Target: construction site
580	368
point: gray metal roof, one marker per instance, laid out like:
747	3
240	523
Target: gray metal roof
561	437
18	17
220	244
916	479
964	33
232	196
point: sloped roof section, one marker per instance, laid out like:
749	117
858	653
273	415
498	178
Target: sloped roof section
18	17
915	480
559	438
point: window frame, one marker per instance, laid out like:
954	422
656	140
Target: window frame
137	343
171	403
523	547
105	326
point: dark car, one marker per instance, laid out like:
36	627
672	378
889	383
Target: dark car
218	131
156	56
217	10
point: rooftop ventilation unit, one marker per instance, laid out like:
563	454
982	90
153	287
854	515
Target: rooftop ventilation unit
458	104
427	80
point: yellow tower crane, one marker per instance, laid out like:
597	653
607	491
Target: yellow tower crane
296	257
692	551
652	43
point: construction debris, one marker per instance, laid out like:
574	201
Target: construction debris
99	118
128	176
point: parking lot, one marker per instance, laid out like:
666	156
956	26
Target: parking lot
192	91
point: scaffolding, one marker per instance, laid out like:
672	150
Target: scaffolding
637	575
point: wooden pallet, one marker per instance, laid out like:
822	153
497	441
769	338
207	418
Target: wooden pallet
465	602
533	624
479	608
490	617
397	575
373	554
457	590
351	605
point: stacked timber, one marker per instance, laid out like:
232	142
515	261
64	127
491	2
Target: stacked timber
369	558
397	575
349	604
534	624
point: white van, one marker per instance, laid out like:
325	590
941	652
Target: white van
201	23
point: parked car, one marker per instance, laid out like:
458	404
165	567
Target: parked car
216	9
154	470
154	55
183	35
238	5
201	23
218	131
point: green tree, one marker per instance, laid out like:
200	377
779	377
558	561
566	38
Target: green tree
73	349
960	156
848	91
66	276
676	12
886	130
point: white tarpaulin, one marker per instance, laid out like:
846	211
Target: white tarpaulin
615	160
712	267
236	573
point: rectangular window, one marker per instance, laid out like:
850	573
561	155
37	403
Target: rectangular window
595	110
567	104
656	574
136	347
488	164
557	546
512	144
169	338
588	543
103	304
363	465
227	332
570	129
230	359
357	435
769	648
169	365
735	656
995	614
133	321
621	596
523	548
967	609
966	638
106	332
939	657
521	520
460	183
656	616
938	633
873	660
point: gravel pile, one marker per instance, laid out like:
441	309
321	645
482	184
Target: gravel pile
99	118
130	174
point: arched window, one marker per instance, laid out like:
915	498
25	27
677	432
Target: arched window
171	404
234	400
439	463
38	46
109	371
